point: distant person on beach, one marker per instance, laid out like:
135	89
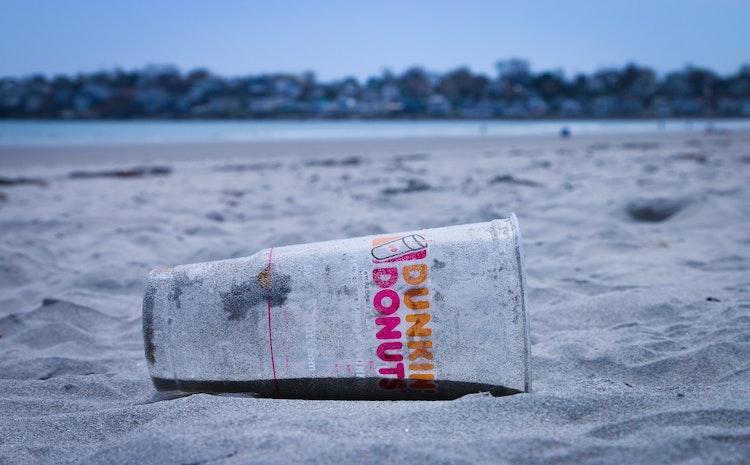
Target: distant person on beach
565	132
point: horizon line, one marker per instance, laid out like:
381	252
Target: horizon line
186	70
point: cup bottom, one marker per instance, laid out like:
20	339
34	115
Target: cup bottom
337	388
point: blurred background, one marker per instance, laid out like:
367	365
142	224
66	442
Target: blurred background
346	60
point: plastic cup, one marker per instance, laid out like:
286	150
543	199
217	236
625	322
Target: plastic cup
430	314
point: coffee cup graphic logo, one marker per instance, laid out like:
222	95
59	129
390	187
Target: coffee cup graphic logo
411	247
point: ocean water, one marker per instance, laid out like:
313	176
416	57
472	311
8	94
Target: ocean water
67	133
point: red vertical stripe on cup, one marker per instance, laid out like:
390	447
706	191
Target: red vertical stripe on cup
270	328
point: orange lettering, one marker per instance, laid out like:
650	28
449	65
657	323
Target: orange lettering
420	367
418	329
415	292
425	376
421	274
423	384
420	349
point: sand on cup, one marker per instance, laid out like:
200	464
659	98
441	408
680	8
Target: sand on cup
429	314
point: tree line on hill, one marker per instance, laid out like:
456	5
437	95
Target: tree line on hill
515	91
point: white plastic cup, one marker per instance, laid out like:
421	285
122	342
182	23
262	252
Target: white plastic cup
432	314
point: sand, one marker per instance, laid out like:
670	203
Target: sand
638	261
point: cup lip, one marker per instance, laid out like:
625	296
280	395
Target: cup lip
519	253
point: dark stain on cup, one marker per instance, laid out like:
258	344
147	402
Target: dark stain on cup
149	296
180	280
267	286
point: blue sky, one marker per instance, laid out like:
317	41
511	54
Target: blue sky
340	38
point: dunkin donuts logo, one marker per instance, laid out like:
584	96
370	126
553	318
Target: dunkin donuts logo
402	301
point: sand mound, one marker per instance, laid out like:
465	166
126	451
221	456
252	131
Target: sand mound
654	210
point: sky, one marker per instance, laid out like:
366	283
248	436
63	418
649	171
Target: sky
336	39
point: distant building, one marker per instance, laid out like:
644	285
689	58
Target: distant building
516	92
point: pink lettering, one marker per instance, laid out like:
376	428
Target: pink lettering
385	356
388	323
398	370
385	277
393	301
390	383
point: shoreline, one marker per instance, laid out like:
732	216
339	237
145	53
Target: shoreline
16	134
24	155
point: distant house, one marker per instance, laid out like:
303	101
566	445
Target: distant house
687	106
438	106
569	107
604	106
536	106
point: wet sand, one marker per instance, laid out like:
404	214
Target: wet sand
638	261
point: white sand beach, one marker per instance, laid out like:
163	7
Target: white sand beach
638	260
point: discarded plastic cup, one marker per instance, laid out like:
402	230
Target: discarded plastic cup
430	314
